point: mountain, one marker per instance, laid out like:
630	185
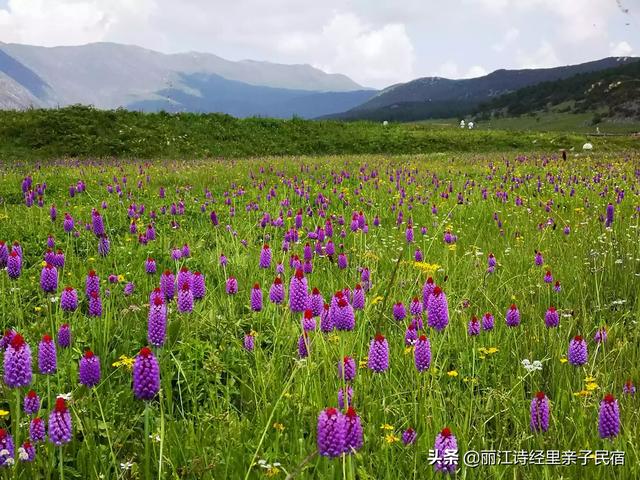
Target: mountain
614	92
109	75
435	97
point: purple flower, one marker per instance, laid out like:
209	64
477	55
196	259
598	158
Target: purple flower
411	334
157	322
92	283
343	316
577	354
341	399
184	276
168	284
89	369
347	369
95	305
446	447
308	322
551	318
6	445
97	224
69	299
629	388
146	375
27	452
358	298
538	259
557	287
609	220
409	436
513	316
438	310
223	260
47	363
303	345
298	292
342	261
276	292
600	335
326	319
331	433
609	417
265	257
60	423
231	286
422	354
548	278
64	336
104	246
185	299
491	263
487	321
198	286
249	342
399	312
353	435
150	266
539	413
49	278
14	265
31	403
128	289
415	309
256	298
36	430
17	363
378	354
68	223
473	328
4	254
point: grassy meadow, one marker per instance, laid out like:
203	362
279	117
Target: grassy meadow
223	411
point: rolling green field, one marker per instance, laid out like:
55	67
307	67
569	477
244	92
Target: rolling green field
88	133
226	411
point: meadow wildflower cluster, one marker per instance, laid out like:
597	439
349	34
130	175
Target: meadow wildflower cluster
242	319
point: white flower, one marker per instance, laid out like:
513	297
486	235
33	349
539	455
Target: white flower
55	299
9	461
22	454
66	396
126	465
4	452
531	366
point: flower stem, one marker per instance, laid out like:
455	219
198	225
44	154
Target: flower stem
147	455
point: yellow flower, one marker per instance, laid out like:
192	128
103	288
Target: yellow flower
278	426
363	363
592	386
390	438
452	373
124	361
286	395
37	309
121	278
427	268
452	247
253	333
386	426
334	338
272	471
3	413
91	259
378	299
563	360
408	350
43	263
582	393
589	379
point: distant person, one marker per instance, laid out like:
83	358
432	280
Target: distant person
461	123
471	125
564	155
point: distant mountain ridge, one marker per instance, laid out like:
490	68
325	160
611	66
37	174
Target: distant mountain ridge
109	75
435	97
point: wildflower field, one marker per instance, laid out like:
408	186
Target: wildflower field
351	317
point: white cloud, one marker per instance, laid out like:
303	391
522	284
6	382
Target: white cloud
346	44
476	71
69	22
622	49
543	57
509	38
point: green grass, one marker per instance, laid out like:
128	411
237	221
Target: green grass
221	408
87	133
576	123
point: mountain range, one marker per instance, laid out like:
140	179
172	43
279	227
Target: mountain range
109	75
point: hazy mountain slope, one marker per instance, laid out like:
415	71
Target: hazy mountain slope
110	75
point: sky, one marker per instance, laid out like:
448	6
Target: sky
375	42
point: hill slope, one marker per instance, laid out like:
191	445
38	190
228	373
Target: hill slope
109	75
614	92
435	97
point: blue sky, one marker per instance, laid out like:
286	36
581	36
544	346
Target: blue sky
375	42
